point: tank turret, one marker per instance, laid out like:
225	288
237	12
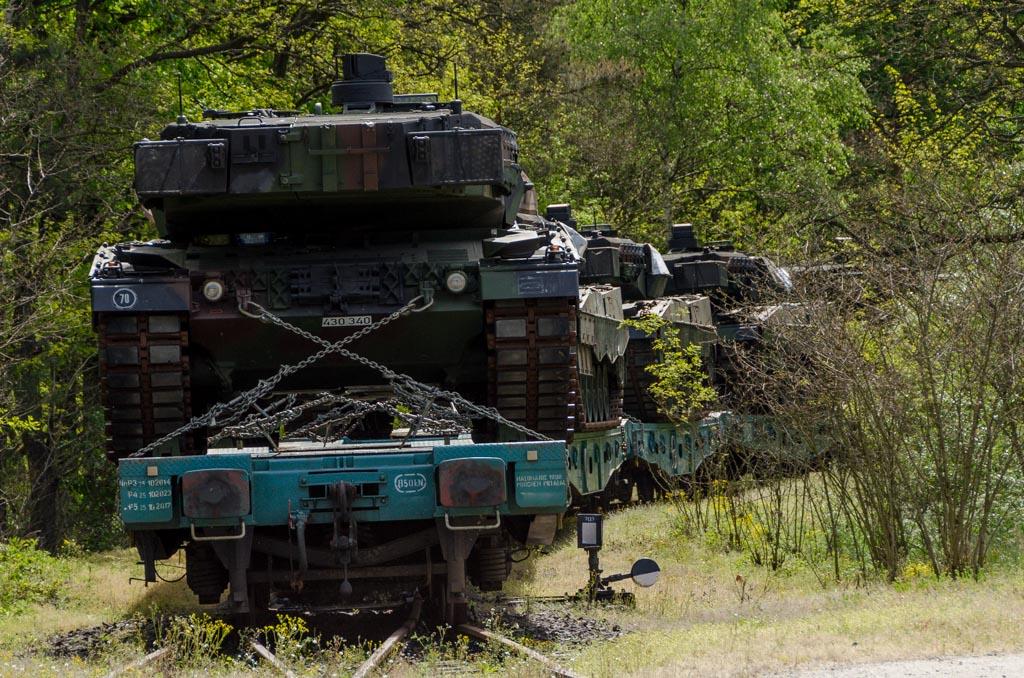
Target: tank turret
636	268
365	168
732	277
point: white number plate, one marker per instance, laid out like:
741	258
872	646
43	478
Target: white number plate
347	321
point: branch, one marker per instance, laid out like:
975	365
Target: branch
156	57
996	239
1012	34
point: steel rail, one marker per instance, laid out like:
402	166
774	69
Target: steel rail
485	635
266	654
389	645
143	661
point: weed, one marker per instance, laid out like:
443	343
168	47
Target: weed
438	651
197	639
917	570
290	638
69	548
344	656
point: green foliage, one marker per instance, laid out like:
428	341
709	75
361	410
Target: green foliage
680	388
717	117
290	638
197	638
29	575
13	427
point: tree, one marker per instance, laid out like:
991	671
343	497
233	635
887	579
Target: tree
680	388
910	368
82	81
703	111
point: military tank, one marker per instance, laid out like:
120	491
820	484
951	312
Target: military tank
331	222
719	298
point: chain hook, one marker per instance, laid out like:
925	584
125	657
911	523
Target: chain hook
247	301
428	296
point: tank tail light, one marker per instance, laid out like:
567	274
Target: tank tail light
213	290
215	493
471	482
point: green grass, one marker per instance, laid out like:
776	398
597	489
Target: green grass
28	576
90	589
93	589
715	613
712	613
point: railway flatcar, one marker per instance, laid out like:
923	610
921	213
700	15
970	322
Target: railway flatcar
359	362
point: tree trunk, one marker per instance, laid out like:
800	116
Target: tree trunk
43	505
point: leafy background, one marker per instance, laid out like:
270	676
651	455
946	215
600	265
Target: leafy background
779	124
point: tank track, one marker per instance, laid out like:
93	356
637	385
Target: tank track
532	375
145	381
600	400
638	402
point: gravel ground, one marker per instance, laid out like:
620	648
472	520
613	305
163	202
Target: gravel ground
987	666
554	622
559	625
84	642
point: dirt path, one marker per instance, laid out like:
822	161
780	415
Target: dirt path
987	666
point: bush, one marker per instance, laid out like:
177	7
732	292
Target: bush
29	575
680	380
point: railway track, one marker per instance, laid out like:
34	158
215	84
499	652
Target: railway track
399	635
391	633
